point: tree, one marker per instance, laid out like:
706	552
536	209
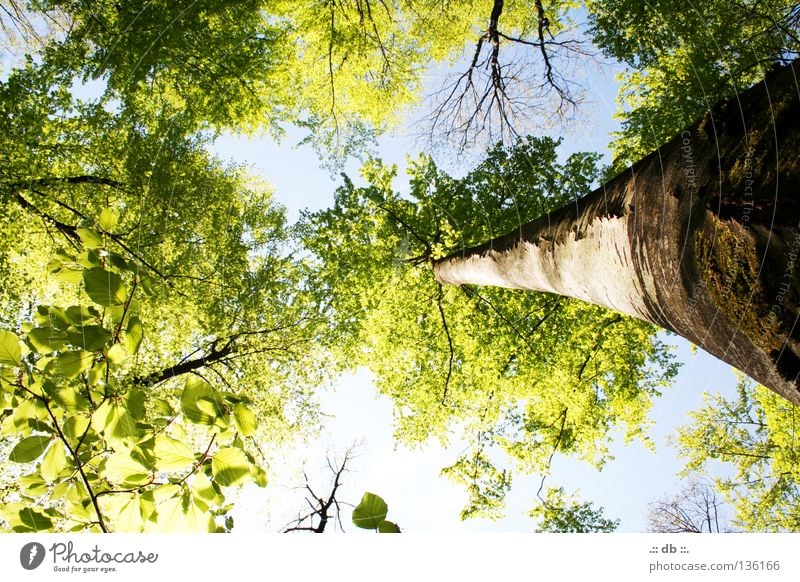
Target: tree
344	70
153	310
562	513
115	196
700	238
115	452
323	510
695	509
515	79
681	59
522	376
755	436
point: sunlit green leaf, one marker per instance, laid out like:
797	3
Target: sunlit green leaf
197	393
230	467
129	518
70	364
33	485
90	337
90	238
29	449
79	315
75	426
388	527
133	334
35	520
10	353
108	219
172	455
122	468
370	512
245	420
104	287
203	489
116	354
54	461
71	400
120	426
46	339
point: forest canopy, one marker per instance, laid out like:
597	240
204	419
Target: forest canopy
166	329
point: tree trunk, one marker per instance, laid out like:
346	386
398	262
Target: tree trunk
700	237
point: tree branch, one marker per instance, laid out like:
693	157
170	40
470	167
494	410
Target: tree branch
449	343
321	507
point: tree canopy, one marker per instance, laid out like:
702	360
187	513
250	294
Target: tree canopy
755	436
164	328
523	375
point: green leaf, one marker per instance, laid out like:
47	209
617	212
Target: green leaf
108	219
54	317
120	467
172	455
370	513
10	352
116	354
180	515
46	340
35	520
28	413
120	426
70	364
134	400
388	527
104	287
89	337
90	238
230	467
54	461
33	485
129	518
245	420
75	426
203	489
29	449
134	334
197	393
68	275
260	475
79	315
71	400
97	373
207	406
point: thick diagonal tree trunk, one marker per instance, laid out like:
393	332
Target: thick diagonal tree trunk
700	237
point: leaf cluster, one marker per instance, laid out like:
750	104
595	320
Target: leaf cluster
99	450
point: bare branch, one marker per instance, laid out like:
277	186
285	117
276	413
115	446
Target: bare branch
322	508
449	343
505	93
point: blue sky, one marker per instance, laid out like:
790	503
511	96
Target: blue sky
419	499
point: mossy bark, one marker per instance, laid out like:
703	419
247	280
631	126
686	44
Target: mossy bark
701	237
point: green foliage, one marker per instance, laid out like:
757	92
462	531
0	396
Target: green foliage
151	262
114	457
562	513
344	70
523	375
371	513
755	436
682	59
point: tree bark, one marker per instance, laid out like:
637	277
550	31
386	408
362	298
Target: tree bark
701	237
